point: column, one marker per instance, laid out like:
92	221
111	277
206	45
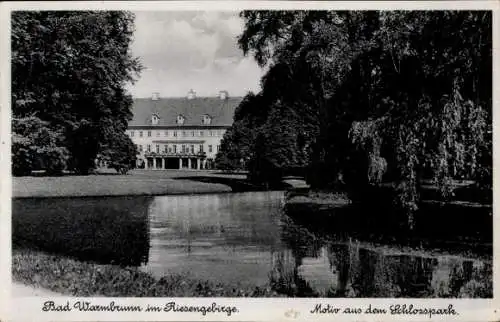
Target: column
163	163
145	163
180	163
189	163
154	163
198	164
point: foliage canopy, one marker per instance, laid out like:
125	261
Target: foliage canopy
369	98
69	70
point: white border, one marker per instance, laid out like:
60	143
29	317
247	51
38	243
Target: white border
238	5
274	309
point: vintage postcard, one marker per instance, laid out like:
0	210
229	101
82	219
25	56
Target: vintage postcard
249	161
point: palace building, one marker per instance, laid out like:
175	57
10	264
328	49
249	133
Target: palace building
180	132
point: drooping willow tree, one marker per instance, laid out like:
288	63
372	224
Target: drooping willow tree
431	117
396	96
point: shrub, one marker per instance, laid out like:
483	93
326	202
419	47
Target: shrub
35	146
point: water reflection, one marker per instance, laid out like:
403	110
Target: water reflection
100	229
354	270
238	239
222	237
245	239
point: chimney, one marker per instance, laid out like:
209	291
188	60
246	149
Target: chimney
191	94
155	96
223	95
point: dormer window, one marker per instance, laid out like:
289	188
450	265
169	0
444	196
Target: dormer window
154	119
180	119
191	94
206	120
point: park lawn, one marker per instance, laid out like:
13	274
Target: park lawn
110	184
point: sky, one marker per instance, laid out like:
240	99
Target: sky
186	50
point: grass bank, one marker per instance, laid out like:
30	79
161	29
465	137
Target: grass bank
87	279
317	198
137	182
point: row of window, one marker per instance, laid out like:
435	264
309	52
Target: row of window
174	148
178	133
206	119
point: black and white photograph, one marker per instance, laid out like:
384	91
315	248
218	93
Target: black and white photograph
252	153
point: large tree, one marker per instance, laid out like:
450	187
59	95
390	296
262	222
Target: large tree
386	97
69	69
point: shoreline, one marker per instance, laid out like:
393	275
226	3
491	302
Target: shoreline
132	195
330	214
39	271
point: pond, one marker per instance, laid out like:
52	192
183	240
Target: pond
239	239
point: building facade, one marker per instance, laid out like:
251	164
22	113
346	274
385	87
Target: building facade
181	132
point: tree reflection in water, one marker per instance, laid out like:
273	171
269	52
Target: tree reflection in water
310	266
106	230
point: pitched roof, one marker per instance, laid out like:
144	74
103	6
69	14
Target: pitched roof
220	110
